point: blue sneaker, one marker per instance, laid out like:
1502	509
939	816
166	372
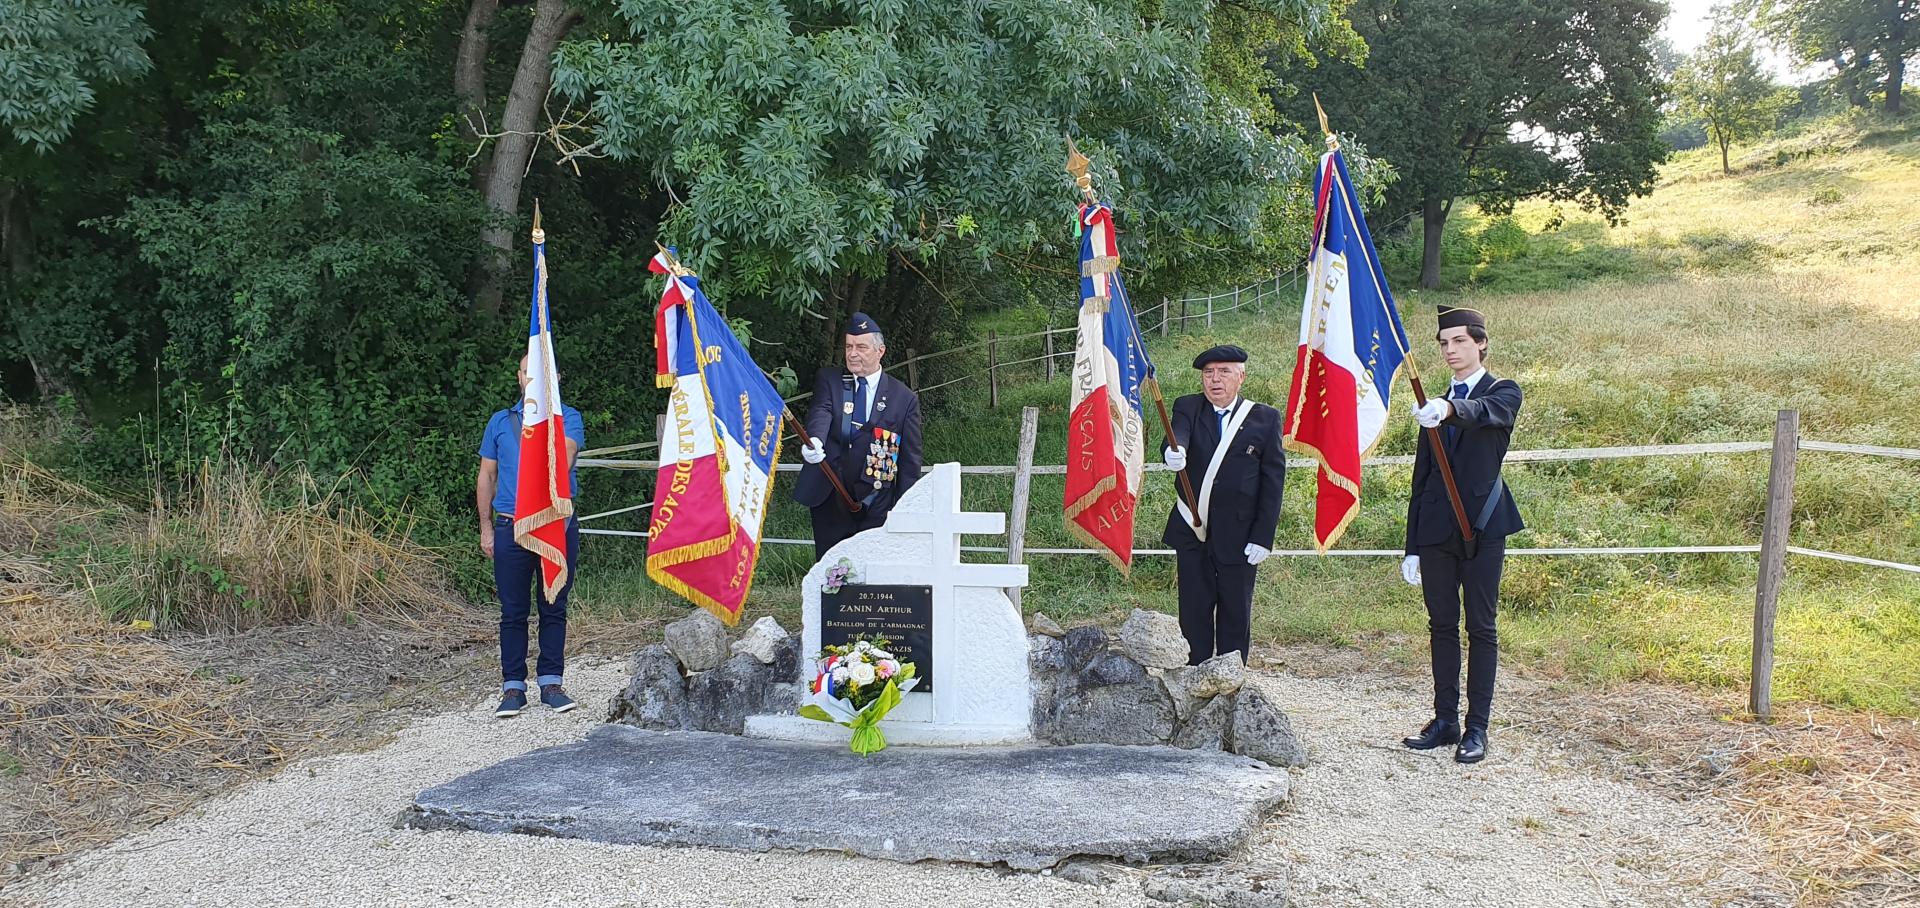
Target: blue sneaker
511	703
556	698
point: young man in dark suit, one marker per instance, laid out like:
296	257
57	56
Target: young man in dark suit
1476	424
865	426
1238	469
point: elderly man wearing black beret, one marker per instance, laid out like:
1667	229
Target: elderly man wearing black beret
1230	448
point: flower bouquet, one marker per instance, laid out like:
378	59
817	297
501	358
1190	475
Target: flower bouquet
859	683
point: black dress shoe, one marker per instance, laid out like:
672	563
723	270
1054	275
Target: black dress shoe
1473	747
1437	733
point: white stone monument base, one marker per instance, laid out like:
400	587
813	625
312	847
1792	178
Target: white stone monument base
908	734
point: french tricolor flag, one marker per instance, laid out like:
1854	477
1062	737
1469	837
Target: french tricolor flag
717	457
543	499
1351	348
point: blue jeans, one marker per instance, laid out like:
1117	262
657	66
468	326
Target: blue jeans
516	574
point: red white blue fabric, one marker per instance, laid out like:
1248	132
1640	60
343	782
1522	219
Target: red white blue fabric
543	497
717	457
1106	444
1351	348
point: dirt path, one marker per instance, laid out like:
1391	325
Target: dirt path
1372	825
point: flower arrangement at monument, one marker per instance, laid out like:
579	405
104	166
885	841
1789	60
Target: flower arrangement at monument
858	684
841	573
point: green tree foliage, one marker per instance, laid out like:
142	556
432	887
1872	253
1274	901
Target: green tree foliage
1867	42
262	245
1723	86
824	156
1500	100
53	52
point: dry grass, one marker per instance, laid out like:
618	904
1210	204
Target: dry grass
120	712
1834	796
104	726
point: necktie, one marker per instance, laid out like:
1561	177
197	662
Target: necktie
1221	425
1459	393
860	400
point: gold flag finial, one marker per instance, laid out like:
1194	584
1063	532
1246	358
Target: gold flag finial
1077	165
1333	141
539	236
673	261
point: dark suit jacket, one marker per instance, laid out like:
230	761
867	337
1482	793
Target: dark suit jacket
1245	504
895	408
1484	426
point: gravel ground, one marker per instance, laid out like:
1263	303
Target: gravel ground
1372	825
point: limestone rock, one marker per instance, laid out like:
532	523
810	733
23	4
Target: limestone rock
1041	624
699	641
656	697
1207	728
1228	885
1111	668
762	640
1262	731
1046	656
1222	674
722	699
1136	713
1083	643
1153	639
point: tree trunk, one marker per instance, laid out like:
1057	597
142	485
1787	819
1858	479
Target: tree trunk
470	81
1896	71
512	151
1724	169
1433	214
16	232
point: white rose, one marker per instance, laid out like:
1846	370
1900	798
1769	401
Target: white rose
863	674
882	654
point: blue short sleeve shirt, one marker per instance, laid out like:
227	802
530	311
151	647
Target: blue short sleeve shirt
502	444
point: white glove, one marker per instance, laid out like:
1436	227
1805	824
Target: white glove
1410	570
814	452
1257	553
1176	458
1431	414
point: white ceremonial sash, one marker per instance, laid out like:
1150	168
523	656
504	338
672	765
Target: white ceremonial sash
1239	415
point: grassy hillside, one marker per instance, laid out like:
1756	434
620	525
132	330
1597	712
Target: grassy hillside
1790	284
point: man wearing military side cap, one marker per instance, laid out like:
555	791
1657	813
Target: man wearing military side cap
865	426
1475	420
1229	448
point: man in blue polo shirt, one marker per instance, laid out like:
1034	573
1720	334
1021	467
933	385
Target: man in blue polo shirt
516	571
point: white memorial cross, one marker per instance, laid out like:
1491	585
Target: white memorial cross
980	691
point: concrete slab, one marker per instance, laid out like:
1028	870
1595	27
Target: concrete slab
1027	807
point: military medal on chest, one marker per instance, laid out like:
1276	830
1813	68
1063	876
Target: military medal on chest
883	457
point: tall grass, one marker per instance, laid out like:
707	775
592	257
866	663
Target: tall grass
229	546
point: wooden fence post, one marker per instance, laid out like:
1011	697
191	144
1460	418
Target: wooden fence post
993	370
1773	557
1022	489
1166	315
1210	312
1048	346
913	370
1183	315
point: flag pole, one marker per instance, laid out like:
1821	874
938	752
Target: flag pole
1077	165
793	422
1434	440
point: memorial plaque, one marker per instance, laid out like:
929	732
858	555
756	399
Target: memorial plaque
899	618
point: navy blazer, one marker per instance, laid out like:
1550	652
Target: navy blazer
895	408
1483	427
1245	504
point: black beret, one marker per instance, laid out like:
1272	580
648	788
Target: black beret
861	323
1460	316
1225	353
